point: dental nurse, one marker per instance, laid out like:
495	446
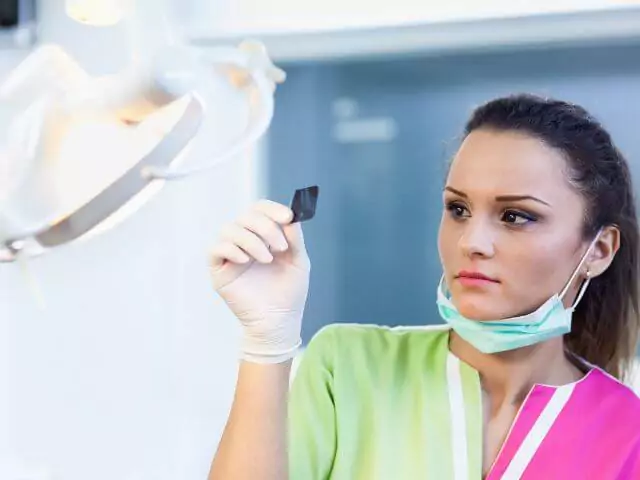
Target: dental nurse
539	247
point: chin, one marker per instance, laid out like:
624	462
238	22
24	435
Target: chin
476	310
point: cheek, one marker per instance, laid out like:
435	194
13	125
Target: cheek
532	275
447	244
539	268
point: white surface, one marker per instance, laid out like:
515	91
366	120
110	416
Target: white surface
128	371
584	27
259	16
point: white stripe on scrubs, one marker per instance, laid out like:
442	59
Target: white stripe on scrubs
537	434
458	420
530	444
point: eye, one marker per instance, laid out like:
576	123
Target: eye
515	217
457	210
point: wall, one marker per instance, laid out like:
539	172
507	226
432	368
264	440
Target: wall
128	370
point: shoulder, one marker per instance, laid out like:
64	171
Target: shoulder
624	393
356	343
619	401
351	335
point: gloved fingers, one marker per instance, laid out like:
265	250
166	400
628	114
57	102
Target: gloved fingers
227	252
248	241
275	211
266	228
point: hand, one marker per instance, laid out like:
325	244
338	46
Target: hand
260	267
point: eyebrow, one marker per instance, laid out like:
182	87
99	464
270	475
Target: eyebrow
502	198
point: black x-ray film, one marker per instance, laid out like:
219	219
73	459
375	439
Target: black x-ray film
304	203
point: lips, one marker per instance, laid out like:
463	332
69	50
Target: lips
464	274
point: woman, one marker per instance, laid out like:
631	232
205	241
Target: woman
539	248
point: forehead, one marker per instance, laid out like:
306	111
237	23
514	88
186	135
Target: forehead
503	163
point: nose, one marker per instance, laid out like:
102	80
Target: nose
477	240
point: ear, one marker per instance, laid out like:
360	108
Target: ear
603	251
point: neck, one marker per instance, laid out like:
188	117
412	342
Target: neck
508	377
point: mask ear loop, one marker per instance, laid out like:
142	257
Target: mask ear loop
583	289
584	285
443	288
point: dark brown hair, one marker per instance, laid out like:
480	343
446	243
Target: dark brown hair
606	322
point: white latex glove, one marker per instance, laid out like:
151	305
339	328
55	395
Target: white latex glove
260	267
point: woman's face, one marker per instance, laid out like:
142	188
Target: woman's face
509	215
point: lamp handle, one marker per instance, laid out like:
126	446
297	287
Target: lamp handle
253	62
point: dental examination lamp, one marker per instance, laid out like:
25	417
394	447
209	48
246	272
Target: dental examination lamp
81	152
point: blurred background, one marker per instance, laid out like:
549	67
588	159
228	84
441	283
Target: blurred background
126	370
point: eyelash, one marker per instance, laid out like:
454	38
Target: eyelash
452	207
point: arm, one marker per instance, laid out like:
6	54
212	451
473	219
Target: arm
266	440
253	445
260	268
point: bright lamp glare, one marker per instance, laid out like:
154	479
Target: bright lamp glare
99	13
